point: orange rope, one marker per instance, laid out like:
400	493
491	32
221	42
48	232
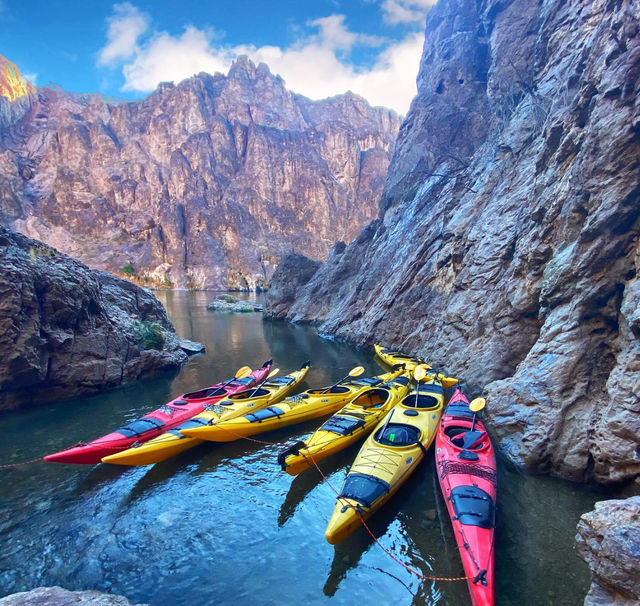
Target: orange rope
358	512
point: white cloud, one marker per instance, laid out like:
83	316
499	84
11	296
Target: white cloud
31	78
316	66
406	11
125	28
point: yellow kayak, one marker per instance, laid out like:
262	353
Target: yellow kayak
308	405
351	423
387	458
391	357
173	442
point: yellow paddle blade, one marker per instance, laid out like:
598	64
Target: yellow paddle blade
356	372
273	373
448	381
243	372
477	405
420	372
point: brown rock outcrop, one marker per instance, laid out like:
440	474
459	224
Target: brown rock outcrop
293	272
66	330
203	184
507	248
57	596
608	540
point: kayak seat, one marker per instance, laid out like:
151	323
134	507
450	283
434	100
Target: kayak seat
372	398
363	488
469	440
473	506
342	425
397	434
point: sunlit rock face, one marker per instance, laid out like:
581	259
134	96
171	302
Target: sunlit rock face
507	248
203	184
16	93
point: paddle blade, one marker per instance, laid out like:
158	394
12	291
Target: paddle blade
243	372
356	372
420	371
273	373
477	405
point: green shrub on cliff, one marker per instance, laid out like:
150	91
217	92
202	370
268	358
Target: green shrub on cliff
128	270
150	335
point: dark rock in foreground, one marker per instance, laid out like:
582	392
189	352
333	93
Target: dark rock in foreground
608	540
66	330
57	596
508	245
293	272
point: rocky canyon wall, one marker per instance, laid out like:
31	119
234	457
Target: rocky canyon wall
66	330
203	184
507	247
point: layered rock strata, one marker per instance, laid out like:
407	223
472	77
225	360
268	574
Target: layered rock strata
507	248
203	184
66	330
608	540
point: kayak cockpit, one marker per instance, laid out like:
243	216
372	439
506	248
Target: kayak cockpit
465	439
423	401
397	435
372	398
246	395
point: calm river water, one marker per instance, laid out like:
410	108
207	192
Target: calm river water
222	523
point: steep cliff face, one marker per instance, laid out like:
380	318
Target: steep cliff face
66	330
16	93
507	248
203	184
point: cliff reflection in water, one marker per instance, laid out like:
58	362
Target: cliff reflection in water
224	520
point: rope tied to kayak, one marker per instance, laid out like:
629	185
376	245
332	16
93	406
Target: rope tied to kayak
358	511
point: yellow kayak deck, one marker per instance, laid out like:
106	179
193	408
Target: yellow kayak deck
174	442
350	424
387	458
306	406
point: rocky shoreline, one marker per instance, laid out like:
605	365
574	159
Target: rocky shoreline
57	596
66	330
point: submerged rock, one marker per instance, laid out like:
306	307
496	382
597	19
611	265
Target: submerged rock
57	596
232	304
507	250
191	347
608	540
66	330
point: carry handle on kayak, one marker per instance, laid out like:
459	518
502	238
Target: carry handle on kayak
354	372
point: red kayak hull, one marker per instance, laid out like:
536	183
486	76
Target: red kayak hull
151	425
466	467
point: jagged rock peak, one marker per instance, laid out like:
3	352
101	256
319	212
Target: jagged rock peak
203	184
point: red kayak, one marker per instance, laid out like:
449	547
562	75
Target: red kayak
466	465
163	419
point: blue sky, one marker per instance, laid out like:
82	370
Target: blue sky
124	49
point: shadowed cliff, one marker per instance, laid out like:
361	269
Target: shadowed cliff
507	248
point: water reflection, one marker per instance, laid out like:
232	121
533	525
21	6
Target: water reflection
222	522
